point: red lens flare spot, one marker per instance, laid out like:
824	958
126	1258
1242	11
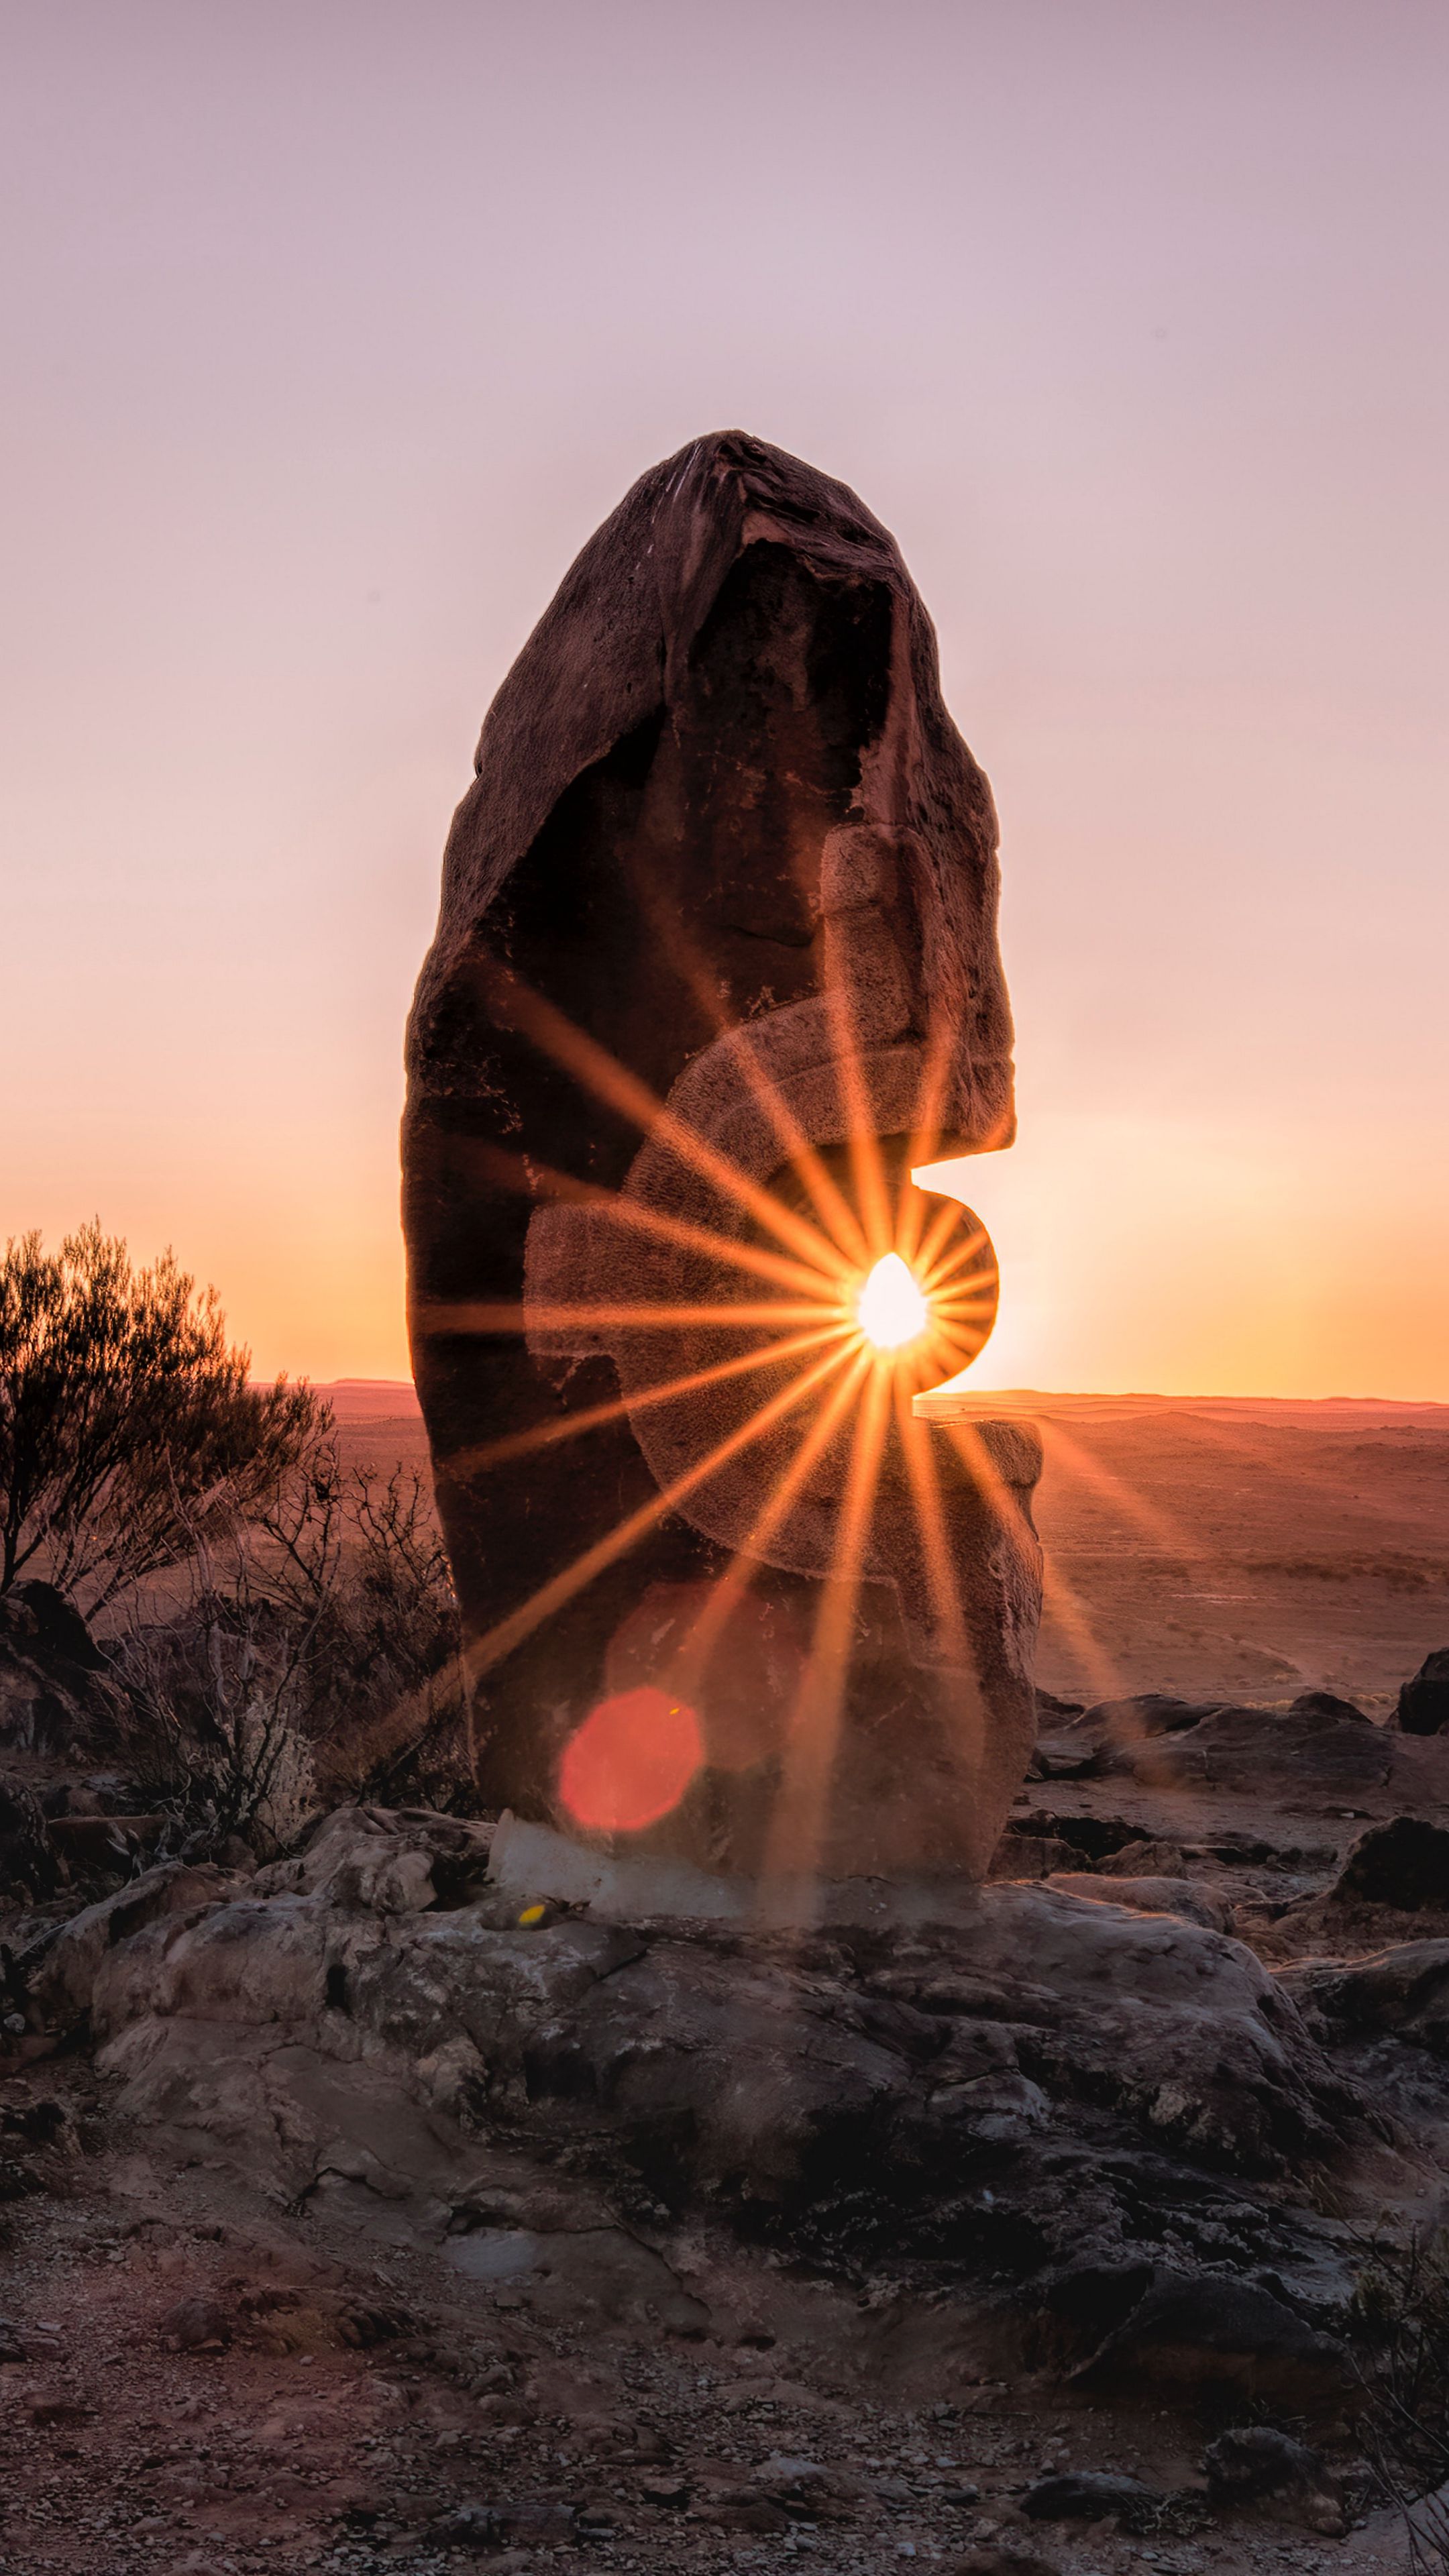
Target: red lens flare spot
631	1761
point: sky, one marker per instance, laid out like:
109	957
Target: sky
334	327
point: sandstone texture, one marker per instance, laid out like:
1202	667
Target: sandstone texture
719	910
1047	2096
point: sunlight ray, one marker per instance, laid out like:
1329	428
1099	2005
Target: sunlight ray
1149	1517
916	1446
544	1435
1105	1677
944	1222
531	1316
938	1275
966	1741
515	1004
500	1640
1058	1593
1267	1453
1106	1680
731	1586
829	1201
797	1828
531	1180
961	1301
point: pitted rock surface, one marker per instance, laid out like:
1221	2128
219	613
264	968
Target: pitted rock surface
1046	2098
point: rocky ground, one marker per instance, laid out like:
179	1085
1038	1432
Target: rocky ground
371	2210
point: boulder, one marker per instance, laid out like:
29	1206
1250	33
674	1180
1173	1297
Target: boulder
195	2325
1253	2464
1176	1895
1394	1878
389	1860
1202	2330
1324	1704
1047	2090
56	1692
1424	1701
1254	1752
43	1623
723	760
1144	1714
1056	1711
1145	1859
1091	2495
1402	1992
62	1968
1403	1864
1094	2115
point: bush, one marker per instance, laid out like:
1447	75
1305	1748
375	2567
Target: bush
126	1419
315	1657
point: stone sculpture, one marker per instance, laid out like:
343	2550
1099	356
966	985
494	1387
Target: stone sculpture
716	965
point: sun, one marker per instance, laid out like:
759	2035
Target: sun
891	1307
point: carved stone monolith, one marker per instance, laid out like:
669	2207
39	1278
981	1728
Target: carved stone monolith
716	966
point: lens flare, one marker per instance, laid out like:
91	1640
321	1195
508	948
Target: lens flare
630	1762
891	1308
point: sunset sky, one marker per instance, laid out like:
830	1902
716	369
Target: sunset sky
333	327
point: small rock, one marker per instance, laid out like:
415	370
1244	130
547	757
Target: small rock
196	2325
1404	1863
665	2486
1144	1860
1048	1705
1192	2329
1127	1721
1322	1703
488	2526
57	2410
1000	2558
1424	1701
1253	2464
1089	2495
783	2475
1171	1895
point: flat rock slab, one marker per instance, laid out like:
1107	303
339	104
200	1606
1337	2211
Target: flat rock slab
1039	2101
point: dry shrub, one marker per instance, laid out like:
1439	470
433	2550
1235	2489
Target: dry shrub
1402	2306
314	1656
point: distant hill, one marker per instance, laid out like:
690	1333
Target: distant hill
370	1399
1248	1547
